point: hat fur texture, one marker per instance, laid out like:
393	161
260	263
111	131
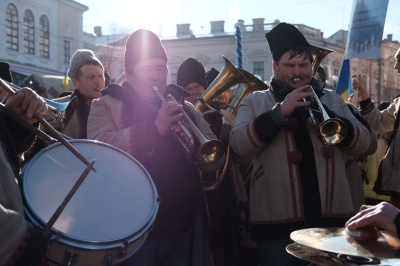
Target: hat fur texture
80	58
191	71
143	44
211	75
283	38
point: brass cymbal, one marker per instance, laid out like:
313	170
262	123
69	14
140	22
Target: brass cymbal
324	258
313	255
335	240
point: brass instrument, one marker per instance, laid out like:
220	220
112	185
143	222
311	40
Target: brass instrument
332	130
56	105
318	53
11	90
228	77
252	84
199	149
55	109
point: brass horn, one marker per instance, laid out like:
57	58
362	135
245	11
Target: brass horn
199	149
252	84
228	77
318	53
332	130
59	106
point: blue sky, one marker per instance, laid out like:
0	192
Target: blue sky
161	16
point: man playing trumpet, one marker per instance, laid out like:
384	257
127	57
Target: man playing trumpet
299	177
134	118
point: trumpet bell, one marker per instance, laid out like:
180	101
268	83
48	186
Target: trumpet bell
333	130
210	152
228	77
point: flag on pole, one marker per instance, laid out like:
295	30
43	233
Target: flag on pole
65	83
239	55
343	86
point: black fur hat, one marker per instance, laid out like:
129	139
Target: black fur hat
321	71
5	72
143	44
190	71
211	75
283	38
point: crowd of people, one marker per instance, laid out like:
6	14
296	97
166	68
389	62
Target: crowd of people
303	175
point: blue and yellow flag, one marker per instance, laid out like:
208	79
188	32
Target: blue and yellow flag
343	86
65	82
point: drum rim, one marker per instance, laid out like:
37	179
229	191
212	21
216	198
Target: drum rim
75	242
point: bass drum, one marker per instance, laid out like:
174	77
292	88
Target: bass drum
108	218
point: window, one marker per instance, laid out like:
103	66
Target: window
67	51
44	37
29	33
12	27
258	69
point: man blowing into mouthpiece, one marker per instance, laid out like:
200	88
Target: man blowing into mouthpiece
298	180
133	118
87	75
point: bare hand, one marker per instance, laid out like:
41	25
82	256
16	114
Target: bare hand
379	216
358	84
50	119
168	116
26	103
294	100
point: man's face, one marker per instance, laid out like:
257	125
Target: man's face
90	81
146	75
224	98
195	90
286	70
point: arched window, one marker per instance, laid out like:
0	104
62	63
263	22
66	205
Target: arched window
12	27
44	37
29	32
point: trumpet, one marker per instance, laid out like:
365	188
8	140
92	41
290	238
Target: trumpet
199	149
332	130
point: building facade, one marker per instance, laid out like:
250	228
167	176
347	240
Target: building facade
383	81
39	37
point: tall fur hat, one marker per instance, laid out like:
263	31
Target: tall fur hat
190	71
321	71
143	44
283	38
211	75
5	72
81	57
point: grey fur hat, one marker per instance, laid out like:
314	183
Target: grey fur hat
81	57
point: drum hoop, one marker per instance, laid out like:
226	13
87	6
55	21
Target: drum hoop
99	245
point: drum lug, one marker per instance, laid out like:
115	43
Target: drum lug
70	257
109	258
123	249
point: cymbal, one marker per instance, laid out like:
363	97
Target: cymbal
324	258
313	255
335	240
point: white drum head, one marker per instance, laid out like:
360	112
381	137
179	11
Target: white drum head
117	201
